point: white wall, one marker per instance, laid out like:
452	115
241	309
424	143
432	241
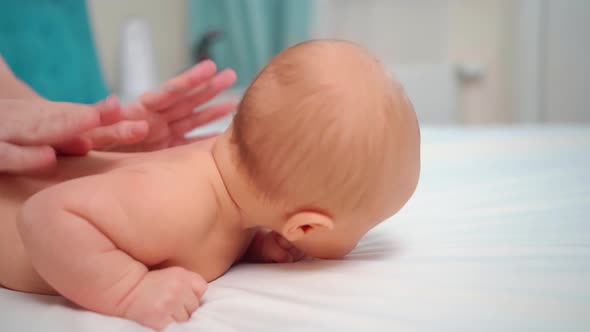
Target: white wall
167	20
405	33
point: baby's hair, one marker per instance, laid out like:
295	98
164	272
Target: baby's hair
315	128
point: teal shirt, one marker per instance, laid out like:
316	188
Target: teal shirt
48	44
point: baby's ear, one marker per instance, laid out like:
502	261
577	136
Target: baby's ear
306	222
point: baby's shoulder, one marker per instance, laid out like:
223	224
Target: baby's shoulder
170	177
181	175
164	190
150	165
179	161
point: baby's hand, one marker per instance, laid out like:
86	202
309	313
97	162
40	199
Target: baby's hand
165	296
272	247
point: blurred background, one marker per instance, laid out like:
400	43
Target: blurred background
462	61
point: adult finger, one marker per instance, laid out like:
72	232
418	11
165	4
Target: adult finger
199	97
202	117
179	86
110	113
110	110
222	81
134	111
25	159
49	123
124	132
78	146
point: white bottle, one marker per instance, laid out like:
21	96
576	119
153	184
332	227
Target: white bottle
138	72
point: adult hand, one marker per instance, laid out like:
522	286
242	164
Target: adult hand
161	119
33	131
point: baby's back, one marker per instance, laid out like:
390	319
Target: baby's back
16	271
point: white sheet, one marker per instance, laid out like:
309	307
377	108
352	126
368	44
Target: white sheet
497	238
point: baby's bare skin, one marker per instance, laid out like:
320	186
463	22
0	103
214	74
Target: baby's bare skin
131	235
324	147
16	271
190	167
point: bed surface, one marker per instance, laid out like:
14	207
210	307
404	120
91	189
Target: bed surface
496	238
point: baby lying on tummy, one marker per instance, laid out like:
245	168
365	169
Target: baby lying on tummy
324	146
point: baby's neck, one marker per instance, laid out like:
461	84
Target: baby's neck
229	209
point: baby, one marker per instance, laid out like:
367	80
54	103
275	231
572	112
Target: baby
324	146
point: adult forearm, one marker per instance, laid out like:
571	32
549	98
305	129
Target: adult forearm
13	88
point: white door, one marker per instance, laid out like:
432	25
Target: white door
565	71
410	38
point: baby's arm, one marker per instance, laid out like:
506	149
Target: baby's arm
271	247
91	239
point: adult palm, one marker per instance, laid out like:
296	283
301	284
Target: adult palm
162	119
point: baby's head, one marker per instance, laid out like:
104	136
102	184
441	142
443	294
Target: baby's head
324	146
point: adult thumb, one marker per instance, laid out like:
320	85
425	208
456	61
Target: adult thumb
25	159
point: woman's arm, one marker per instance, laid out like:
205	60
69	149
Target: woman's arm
13	88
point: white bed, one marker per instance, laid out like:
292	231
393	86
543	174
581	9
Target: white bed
496	238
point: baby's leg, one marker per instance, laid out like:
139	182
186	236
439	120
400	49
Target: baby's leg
76	258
